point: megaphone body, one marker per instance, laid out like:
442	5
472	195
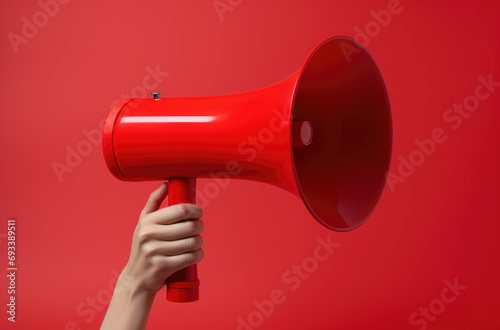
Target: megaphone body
324	134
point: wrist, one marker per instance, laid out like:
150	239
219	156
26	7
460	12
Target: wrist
130	305
132	289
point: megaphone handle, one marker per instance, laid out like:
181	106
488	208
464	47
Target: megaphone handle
183	285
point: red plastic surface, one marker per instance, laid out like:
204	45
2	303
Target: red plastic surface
340	175
194	137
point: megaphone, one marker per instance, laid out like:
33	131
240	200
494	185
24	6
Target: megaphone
324	134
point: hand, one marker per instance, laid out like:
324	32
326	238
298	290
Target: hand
165	241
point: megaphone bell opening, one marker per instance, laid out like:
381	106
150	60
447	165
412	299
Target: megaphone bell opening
340	174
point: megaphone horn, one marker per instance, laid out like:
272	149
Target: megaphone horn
331	142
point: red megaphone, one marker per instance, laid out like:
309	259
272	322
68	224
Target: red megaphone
324	134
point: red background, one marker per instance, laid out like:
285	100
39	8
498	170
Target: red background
439	224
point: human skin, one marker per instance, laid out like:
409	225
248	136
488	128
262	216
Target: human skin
164	241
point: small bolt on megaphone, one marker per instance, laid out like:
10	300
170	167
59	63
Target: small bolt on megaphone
325	133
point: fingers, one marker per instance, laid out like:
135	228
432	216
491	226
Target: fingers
181	261
173	248
155	199
172	232
175	213
165	241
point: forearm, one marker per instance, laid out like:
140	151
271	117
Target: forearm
129	307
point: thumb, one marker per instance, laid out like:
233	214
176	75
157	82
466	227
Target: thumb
155	199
